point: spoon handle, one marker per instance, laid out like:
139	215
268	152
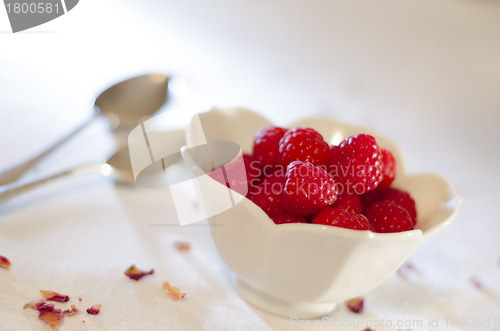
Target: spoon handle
14	173
10	190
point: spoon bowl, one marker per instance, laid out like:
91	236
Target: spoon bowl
130	102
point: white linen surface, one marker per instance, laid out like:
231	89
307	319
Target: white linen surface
424	74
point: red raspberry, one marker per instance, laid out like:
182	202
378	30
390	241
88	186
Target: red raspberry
286	218
359	166
342	218
306	145
308	189
334	165
388	169
386	216
267	194
403	199
252	171
333	161
266	146
239	179
349	202
368	198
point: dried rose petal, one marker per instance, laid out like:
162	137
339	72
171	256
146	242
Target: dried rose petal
54	296
135	273
51	317
355	305
31	304
48	313
405	269
95	309
476	282
41	305
72	311
45	306
4	262
174	292
182	246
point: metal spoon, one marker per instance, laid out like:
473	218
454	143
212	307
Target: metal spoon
117	167
112	168
124	104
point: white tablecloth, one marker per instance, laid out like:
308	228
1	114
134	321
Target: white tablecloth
424	74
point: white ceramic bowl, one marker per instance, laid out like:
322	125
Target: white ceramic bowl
303	270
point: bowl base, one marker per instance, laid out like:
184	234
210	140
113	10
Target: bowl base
282	307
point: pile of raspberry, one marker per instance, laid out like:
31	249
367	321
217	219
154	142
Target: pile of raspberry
297	177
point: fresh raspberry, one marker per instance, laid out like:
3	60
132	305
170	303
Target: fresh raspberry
240	179
359	166
368	198
388	169
266	146
386	216
403	199
349	202
286	218
308	189
334	155
342	218
267	194
252	171
306	145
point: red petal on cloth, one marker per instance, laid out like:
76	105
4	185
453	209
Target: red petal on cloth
54	296
31	304
45	306
4	262
174	292
135	273
355	305
182	246
51	317
41	305
95	309
72	311
405	269
474	280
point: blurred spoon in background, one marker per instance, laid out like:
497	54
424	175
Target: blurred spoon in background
125	105
117	167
